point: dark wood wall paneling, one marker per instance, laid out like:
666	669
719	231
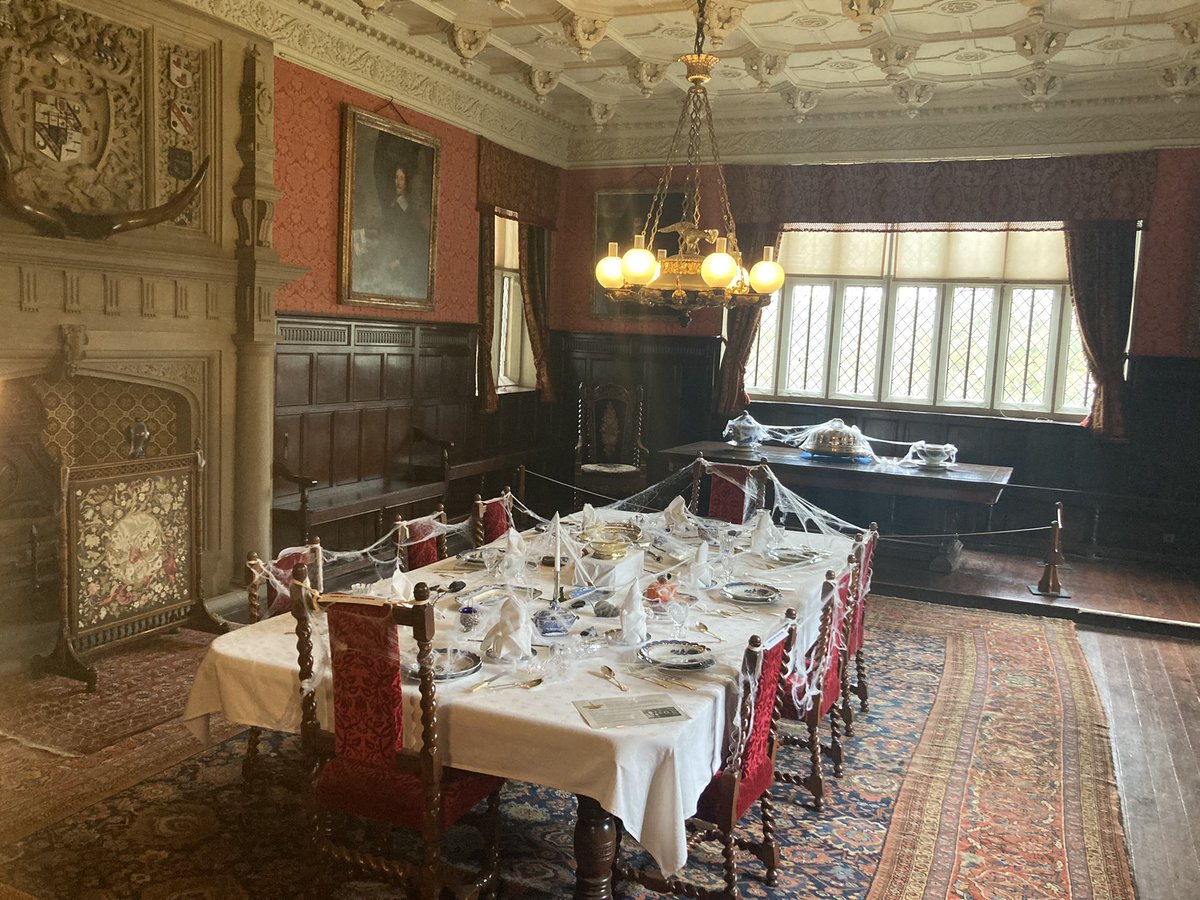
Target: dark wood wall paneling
1146	489
348	394
676	374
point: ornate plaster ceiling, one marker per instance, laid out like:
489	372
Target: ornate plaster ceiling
596	82
599	62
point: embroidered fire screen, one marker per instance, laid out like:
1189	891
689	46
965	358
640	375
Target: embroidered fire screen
131	556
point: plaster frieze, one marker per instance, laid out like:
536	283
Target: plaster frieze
358	51
893	136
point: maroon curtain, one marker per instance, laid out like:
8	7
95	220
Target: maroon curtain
742	326
533	256
1100	260
488	401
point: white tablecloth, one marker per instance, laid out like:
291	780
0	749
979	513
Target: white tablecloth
651	777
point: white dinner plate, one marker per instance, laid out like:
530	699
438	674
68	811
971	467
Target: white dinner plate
752	593
677	654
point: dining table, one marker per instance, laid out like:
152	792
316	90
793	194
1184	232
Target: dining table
645	779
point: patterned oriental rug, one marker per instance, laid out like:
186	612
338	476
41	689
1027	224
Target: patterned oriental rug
140	685
983	770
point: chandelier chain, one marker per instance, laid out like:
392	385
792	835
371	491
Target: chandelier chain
654	215
726	209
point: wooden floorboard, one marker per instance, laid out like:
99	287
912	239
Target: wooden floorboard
1149	689
1105	586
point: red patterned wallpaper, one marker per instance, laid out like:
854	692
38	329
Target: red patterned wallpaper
574	268
1166	307
308	133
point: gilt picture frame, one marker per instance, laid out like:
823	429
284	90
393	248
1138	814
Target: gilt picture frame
389	212
618	216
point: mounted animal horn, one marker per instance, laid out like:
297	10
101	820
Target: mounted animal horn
63	222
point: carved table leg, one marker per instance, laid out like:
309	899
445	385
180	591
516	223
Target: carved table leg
595	850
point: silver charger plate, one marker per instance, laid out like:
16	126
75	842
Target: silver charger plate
751	592
677	654
794	555
449	664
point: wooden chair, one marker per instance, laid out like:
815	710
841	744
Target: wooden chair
865	554
370	775
734	491
610	458
812	693
490	519
746	774
272	576
421	542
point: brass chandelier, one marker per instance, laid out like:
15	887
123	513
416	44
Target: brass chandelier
690	280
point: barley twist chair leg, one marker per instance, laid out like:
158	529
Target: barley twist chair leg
729	852
860	661
770	850
847	711
835	749
816	777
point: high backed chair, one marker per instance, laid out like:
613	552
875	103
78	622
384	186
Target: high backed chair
370	774
812	693
733	491
421	542
610	458
865	553
746	775
491	519
274	576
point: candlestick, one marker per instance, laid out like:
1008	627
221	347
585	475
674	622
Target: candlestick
557	559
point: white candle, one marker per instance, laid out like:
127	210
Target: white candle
557	545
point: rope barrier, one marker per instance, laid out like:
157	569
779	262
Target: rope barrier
958	534
586	491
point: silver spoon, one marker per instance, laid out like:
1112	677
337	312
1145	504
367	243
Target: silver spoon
609	674
703	629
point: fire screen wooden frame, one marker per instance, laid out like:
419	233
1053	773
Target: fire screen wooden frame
131	557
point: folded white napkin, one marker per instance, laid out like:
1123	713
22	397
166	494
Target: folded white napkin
699	571
399	586
675	515
765	534
512	636
633	616
588	517
512	567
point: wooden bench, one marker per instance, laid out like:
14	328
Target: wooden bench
296	515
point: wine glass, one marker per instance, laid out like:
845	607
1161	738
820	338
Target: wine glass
491	558
678	613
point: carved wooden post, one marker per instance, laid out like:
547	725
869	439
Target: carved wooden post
259	275
1050	585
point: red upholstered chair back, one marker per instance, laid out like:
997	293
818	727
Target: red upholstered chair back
491	519
733	491
864	550
422	540
752	737
277	574
826	652
368	707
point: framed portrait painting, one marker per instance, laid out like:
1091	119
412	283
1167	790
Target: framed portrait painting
619	215
389	212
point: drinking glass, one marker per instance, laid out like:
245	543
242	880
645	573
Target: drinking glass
679	616
491	560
